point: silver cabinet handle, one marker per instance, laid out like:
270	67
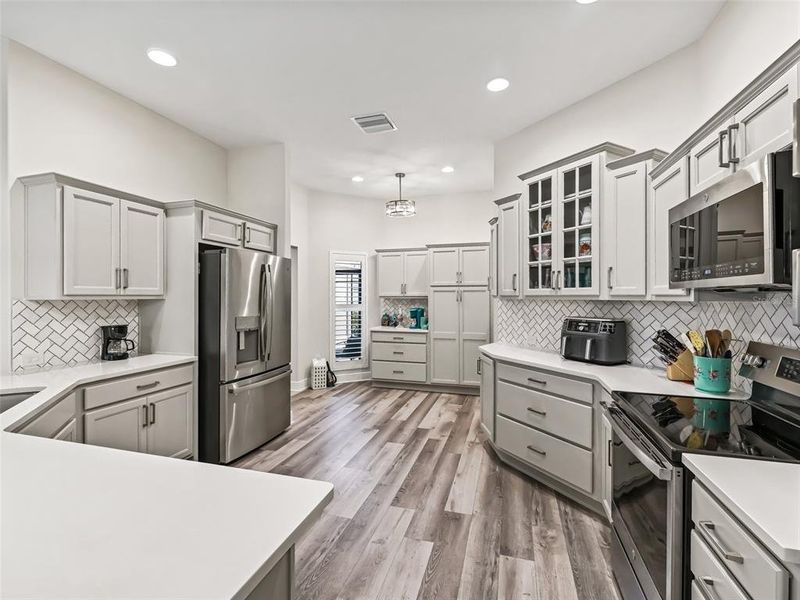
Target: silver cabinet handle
610	286
397	337
608	454
514	282
537	381
152	413
537	412
478	366
398	372
539	452
238	232
147	386
732	149
706	583
144	413
125	278
117	281
722	163
709	528
398	352
248	230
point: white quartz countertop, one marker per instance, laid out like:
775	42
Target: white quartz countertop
52	384
763	495
398	329
83	521
617	378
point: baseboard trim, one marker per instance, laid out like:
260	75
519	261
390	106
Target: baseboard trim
427	387
299	386
348	377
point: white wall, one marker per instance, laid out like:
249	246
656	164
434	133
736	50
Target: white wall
336	222
661	105
302	335
258	186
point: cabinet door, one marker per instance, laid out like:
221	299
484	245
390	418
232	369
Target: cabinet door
708	159
221	229
508	249
671	188
577	233
473	265
444	266
68	433
625	231
169	422
764	125
473	312
258	237
539	251
416	273
444	322
487	395
390	273
493	259
122	425
91	244
607	439
141	249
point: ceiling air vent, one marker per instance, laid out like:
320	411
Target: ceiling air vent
376	123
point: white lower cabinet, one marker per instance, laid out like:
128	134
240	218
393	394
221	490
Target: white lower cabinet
459	326
121	425
399	357
169	426
68	433
607	441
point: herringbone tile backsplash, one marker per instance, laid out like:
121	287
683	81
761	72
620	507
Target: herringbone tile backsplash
66	332
536	323
401	306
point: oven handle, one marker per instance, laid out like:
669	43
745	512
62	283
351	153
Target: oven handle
661	472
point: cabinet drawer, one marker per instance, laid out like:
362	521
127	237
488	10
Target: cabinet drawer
129	387
399	371
564	418
710	575
752	566
552	384
559	458
406	338
50	422
414	353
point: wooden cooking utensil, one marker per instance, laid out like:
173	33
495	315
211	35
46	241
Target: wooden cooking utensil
714	338
727	336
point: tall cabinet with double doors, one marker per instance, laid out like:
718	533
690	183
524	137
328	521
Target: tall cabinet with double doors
560	216
459	312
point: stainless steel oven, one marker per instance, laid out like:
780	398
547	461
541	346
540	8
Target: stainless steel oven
646	515
740	232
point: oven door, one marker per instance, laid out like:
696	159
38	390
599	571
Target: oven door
723	236
647	514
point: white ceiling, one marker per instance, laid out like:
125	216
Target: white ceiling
254	72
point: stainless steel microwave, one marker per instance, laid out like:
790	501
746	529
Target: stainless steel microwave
740	232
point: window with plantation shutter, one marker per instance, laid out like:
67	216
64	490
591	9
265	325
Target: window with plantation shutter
348	310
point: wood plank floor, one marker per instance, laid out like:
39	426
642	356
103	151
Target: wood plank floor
424	509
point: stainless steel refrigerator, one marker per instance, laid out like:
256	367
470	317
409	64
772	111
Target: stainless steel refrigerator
245	349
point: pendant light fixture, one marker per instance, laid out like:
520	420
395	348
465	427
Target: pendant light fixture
400	207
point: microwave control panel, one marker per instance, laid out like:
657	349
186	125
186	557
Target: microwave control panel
750	266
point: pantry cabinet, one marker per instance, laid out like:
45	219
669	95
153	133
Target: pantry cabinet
508	246
465	264
403	272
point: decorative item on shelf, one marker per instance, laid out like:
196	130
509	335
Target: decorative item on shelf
402	320
542	251
385	320
547	224
400	207
586	215
585	244
393	320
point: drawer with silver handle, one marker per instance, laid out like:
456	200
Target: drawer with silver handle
557	457
545	382
748	561
401	337
399	371
713	582
108	392
401	352
564	418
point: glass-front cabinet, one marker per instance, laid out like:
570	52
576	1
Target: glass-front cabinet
561	230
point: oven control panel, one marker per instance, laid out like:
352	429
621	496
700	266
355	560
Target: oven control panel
789	369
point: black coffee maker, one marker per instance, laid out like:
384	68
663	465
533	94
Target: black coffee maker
116	344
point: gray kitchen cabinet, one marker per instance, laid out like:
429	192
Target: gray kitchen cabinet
403	272
258	237
52	421
709	159
121	425
487	395
459	264
607	441
221	228
493	256
508	246
169	423
68	433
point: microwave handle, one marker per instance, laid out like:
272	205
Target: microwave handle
796	287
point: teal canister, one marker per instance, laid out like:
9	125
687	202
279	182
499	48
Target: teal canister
712	374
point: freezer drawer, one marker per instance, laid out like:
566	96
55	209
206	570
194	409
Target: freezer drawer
252	412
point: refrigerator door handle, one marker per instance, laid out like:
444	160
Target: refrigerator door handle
262	317
271	309
238	388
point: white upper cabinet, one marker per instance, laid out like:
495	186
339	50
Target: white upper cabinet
708	159
508	250
670	188
403	272
538	245
221	229
258	237
91	244
460	265
625	224
764	124
141	249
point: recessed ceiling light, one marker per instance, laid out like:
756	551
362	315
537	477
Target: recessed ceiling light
497	85
162	57
585	1
447	169
357	178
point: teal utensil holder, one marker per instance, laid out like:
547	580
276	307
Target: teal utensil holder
712	374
